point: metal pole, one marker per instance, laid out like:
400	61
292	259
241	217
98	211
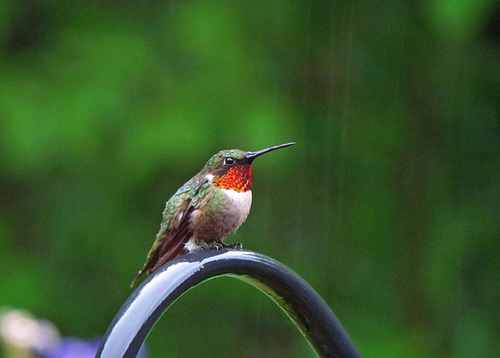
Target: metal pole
297	298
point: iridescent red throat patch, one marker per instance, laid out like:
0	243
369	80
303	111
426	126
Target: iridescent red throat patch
238	178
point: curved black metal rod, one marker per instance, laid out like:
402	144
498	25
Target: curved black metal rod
297	298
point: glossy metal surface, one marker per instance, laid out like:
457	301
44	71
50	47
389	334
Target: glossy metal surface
302	304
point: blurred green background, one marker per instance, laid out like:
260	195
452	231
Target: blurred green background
388	205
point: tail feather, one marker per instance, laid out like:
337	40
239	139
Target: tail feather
169	243
160	256
145	268
172	249
137	278
174	252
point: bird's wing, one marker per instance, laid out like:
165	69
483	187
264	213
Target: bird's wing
175	229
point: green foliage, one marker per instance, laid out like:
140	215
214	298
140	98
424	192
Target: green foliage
388	204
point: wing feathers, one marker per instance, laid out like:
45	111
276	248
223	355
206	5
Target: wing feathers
175	229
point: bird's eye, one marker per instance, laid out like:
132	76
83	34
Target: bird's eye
229	161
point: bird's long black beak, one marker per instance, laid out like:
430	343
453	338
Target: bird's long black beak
252	155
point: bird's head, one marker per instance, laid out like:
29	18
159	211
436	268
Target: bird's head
232	169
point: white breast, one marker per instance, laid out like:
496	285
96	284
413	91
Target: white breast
222	215
241	201
239	204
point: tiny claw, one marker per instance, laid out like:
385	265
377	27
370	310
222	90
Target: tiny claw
236	246
216	246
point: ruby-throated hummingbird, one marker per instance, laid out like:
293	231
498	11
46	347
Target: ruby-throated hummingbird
207	208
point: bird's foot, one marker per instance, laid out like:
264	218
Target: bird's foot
216	246
236	246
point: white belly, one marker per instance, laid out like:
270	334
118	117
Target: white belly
222	215
240	202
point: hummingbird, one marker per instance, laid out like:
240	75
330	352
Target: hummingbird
207	208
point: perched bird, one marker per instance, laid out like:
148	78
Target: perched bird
207	208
